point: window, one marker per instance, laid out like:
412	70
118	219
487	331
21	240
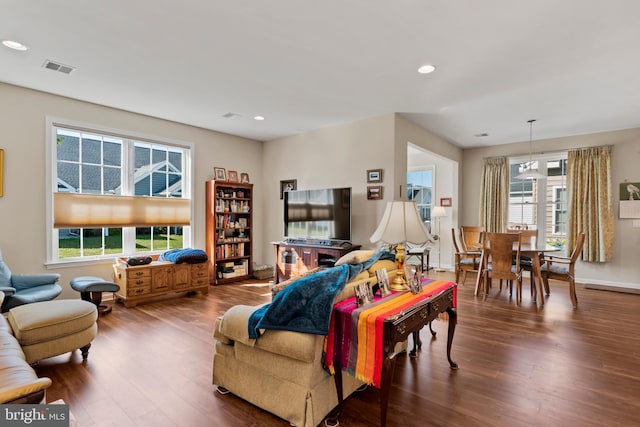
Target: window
112	193
420	190
540	204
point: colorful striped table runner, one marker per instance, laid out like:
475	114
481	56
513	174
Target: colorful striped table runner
354	341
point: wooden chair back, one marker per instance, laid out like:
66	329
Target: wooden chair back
577	250
465	261
499	252
471	237
526	236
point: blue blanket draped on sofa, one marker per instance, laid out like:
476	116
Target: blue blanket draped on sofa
305	305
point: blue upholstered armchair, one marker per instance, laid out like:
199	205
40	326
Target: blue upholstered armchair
22	289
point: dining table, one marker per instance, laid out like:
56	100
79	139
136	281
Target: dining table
533	250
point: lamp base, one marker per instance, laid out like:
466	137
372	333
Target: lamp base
399	283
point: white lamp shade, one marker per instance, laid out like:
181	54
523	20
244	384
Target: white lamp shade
438	212
400	223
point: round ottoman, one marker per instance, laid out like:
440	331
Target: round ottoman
91	289
50	328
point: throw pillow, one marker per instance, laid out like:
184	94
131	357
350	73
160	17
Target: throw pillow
380	264
355	257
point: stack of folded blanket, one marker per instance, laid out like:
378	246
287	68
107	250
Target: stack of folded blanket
186	255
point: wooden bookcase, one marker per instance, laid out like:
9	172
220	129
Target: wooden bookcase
229	209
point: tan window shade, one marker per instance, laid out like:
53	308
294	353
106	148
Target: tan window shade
73	210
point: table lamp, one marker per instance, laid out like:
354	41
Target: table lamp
401	223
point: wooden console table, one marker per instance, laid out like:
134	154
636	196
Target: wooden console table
294	259
437	297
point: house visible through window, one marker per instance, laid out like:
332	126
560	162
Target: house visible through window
93	163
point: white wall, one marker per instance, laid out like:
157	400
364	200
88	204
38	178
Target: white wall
624	269
445	185
444	157
22	209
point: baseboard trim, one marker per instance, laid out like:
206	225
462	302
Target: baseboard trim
614	288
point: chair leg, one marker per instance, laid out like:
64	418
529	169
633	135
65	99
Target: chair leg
519	291
457	275
532	282
485	289
572	293
545	282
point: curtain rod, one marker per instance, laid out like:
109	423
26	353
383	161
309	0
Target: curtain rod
549	152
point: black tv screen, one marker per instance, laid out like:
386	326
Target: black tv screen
318	214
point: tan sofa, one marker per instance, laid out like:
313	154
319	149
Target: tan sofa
18	381
281	372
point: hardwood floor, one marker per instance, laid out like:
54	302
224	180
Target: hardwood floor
519	366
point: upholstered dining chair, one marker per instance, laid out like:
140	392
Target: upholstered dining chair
465	261
563	268
498	251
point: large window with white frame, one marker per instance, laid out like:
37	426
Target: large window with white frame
86	162
540	203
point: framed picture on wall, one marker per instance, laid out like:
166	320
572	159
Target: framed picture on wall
244	178
233	176
287	185
446	202
374	175
220	174
374	192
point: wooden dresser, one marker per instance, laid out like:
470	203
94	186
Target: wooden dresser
143	282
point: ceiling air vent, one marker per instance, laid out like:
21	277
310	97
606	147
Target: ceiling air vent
231	115
56	66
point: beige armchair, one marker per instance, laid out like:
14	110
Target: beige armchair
282	371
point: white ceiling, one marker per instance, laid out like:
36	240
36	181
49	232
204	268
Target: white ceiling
574	65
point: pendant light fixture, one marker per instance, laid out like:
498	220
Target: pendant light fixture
530	173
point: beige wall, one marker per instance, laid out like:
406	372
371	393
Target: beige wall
340	156
22	209
624	269
333	157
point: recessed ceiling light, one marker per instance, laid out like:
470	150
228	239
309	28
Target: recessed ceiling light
14	45
426	69
258	118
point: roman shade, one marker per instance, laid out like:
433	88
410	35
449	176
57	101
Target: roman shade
73	210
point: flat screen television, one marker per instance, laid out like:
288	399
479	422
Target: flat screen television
323	214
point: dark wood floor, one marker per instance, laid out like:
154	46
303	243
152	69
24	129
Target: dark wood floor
519	366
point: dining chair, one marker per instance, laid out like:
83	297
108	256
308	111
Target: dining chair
465	261
563	268
471	237
498	251
526	236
